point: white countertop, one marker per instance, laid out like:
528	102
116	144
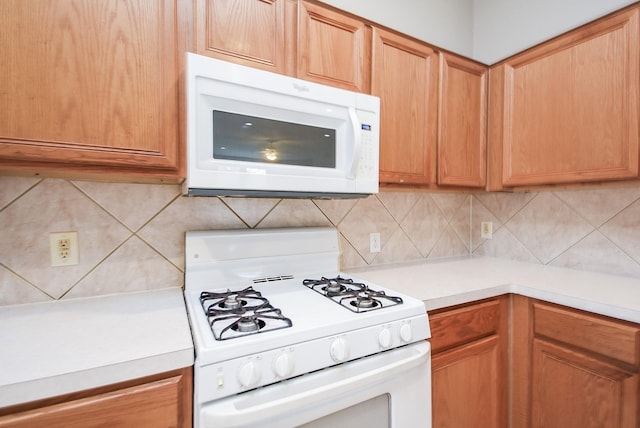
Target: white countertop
58	347
53	348
450	282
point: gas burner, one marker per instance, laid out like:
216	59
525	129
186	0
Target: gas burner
355	296
363	302
248	324
238	301
332	286
232	302
234	314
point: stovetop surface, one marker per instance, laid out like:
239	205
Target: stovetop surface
312	316
276	263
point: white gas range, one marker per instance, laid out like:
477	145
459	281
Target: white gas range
268	306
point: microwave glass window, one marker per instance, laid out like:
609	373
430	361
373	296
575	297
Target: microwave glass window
253	139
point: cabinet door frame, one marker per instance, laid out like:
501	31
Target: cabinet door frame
153	153
319	28
602	346
464	332
469	141
218	44
503	89
134	402
624	384
425	165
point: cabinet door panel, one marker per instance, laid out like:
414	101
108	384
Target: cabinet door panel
332	48
404	76
571	389
156	404
467	385
611	338
249	32
455	327
462	126
89	85
567	111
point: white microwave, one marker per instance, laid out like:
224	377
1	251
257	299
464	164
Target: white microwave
259	134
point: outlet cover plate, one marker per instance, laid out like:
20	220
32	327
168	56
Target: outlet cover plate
64	248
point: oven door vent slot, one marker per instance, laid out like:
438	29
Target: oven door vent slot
272	278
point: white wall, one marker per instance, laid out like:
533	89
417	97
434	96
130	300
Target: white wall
505	27
444	23
486	30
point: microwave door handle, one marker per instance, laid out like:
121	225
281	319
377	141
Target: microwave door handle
357	143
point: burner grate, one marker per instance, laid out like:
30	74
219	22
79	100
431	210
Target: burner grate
233	314
355	296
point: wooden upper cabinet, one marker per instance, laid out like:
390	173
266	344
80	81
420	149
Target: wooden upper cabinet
90	87
248	32
405	77
333	48
567	110
462	124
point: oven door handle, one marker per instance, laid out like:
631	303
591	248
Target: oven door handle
271	405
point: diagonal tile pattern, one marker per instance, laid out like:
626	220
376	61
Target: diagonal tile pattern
367	216
548	227
29	221
594	230
132	235
424	224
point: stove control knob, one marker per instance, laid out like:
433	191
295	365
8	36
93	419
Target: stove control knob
339	350
283	365
384	338
405	332
249	374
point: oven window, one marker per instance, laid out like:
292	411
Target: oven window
373	413
253	139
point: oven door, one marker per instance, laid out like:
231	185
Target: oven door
391	390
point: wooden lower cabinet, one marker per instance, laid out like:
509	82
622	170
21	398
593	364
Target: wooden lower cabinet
573	368
160	401
513	361
575	389
469	365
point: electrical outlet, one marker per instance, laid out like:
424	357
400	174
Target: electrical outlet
486	230
64	248
374	242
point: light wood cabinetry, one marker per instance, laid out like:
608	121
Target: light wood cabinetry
567	111
520	362
469	365
161	401
248	32
333	48
405	77
574	368
462	122
90	87
298	38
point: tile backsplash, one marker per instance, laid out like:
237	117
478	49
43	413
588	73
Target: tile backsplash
131	236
